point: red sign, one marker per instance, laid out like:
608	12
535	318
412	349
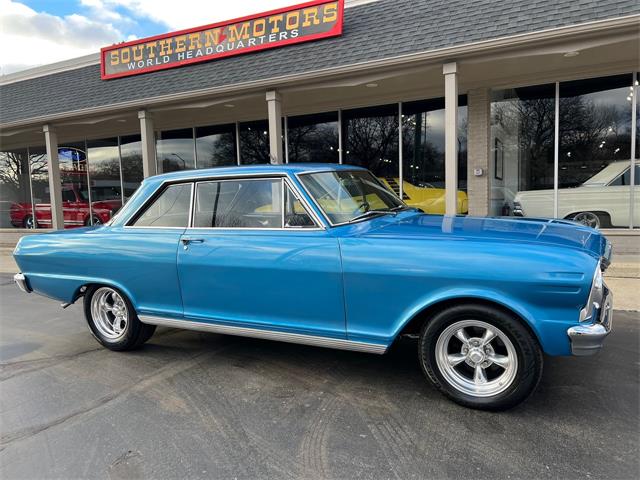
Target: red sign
286	26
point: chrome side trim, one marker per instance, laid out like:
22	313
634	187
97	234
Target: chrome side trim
21	282
265	334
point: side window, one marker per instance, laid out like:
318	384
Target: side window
295	215
68	196
243	203
170	209
623	179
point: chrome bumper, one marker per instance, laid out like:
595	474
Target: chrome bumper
588	338
21	281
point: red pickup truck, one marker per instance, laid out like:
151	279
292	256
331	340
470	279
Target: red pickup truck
75	207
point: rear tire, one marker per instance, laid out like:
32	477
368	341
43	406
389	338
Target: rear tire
592	219
29	222
480	357
113	320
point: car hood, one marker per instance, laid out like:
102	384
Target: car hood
493	229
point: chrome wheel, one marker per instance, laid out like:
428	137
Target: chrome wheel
109	313
476	358
588	219
29	222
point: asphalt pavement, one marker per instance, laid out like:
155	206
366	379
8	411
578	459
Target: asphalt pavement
191	405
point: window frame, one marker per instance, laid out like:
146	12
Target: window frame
284	183
284	178
143	208
355	169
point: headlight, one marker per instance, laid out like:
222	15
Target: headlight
595	295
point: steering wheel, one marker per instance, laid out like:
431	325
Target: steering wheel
364	205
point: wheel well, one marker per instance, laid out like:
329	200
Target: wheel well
414	326
597	212
82	290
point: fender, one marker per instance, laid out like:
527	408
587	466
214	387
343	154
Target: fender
551	334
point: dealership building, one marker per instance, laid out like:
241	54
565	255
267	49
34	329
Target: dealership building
482	108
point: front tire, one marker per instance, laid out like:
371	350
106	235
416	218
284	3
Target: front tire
480	357
113	320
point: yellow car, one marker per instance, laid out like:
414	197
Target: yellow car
428	199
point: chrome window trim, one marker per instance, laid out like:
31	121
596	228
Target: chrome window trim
284	180
327	342
324	214
192	180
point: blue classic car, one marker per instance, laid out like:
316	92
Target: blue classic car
326	255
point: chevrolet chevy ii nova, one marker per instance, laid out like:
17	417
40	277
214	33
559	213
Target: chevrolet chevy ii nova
326	255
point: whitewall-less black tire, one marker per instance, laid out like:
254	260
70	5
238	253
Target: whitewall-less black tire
480	356
113	320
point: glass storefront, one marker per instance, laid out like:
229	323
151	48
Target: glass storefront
593	148
15	189
40	193
131	164
175	150
370	137
423	150
216	146
595	151
254	142
96	178
589	158
105	187
313	138
72	158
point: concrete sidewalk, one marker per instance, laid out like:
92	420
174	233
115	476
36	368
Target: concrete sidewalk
623	277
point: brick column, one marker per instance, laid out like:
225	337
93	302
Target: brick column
478	150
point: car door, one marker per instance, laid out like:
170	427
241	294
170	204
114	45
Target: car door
68	207
254	257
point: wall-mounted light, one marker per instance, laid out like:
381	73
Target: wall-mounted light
572	53
371	85
229	105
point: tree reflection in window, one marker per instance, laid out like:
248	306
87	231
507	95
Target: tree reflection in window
313	138
254	142
595	126
371	139
216	145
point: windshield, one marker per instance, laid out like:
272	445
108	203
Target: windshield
345	195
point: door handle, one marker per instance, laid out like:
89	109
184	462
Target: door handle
187	241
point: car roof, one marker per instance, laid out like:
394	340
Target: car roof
291	168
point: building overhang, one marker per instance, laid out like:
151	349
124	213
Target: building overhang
605	47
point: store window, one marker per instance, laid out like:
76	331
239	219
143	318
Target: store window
131	161
175	150
370	137
72	158
254	142
313	138
40	193
522	150
423	153
595	151
104	178
16	208
216	146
